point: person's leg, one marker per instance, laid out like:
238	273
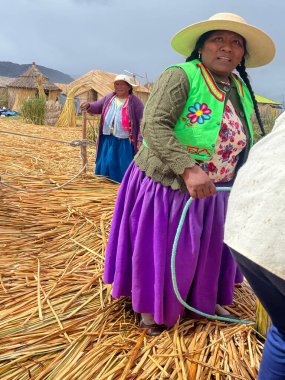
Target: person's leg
272	366
270	289
147	318
147	322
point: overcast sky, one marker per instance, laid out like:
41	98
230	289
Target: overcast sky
76	36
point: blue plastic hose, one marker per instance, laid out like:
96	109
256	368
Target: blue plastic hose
173	271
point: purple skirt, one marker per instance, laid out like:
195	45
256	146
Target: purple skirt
138	256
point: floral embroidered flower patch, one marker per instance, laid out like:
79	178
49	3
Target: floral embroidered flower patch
199	113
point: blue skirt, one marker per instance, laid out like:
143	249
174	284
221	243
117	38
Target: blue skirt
114	156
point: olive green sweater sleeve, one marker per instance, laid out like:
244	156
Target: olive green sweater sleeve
163	108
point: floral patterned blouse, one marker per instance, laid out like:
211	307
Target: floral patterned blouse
231	141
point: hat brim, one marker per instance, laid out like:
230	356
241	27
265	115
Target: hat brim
130	83
260	47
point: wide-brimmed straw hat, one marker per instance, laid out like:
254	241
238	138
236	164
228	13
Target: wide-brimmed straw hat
125	78
260	47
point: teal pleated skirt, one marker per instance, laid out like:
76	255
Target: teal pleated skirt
114	156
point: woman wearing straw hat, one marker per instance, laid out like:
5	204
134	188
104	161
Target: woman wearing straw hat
119	128
197	132
257	211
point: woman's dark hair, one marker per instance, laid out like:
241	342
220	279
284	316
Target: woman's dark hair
199	44
241	69
243	74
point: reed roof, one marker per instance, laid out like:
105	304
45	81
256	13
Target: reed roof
100	81
63	87
5	81
263	100
29	80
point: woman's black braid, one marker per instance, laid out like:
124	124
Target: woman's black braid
243	74
240	68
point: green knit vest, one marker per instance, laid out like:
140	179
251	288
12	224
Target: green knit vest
198	126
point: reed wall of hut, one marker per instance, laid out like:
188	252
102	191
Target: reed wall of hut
269	112
89	96
16	96
3	91
3	96
143	96
4	82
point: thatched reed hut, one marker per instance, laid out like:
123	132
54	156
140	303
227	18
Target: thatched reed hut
26	85
265	103
269	109
96	84
4	82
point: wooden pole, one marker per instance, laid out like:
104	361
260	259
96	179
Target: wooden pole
84	136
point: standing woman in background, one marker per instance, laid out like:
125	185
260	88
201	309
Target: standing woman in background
197	132
119	129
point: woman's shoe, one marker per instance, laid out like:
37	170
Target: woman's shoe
153	329
232	316
222	312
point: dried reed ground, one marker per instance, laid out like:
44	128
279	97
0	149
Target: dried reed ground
57	318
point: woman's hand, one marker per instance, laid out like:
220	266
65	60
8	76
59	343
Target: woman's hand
139	143
198	182
85	106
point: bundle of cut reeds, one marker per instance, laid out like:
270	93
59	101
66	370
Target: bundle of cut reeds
41	87
67	117
263	321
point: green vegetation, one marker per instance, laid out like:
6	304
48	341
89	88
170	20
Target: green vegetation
33	110
92	126
3	100
92	129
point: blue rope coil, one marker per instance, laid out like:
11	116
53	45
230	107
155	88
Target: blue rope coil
173	271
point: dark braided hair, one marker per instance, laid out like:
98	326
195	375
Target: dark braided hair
243	74
241	69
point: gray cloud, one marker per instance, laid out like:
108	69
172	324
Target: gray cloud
76	36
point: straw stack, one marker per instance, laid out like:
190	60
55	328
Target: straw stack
57	318
67	117
40	86
263	321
